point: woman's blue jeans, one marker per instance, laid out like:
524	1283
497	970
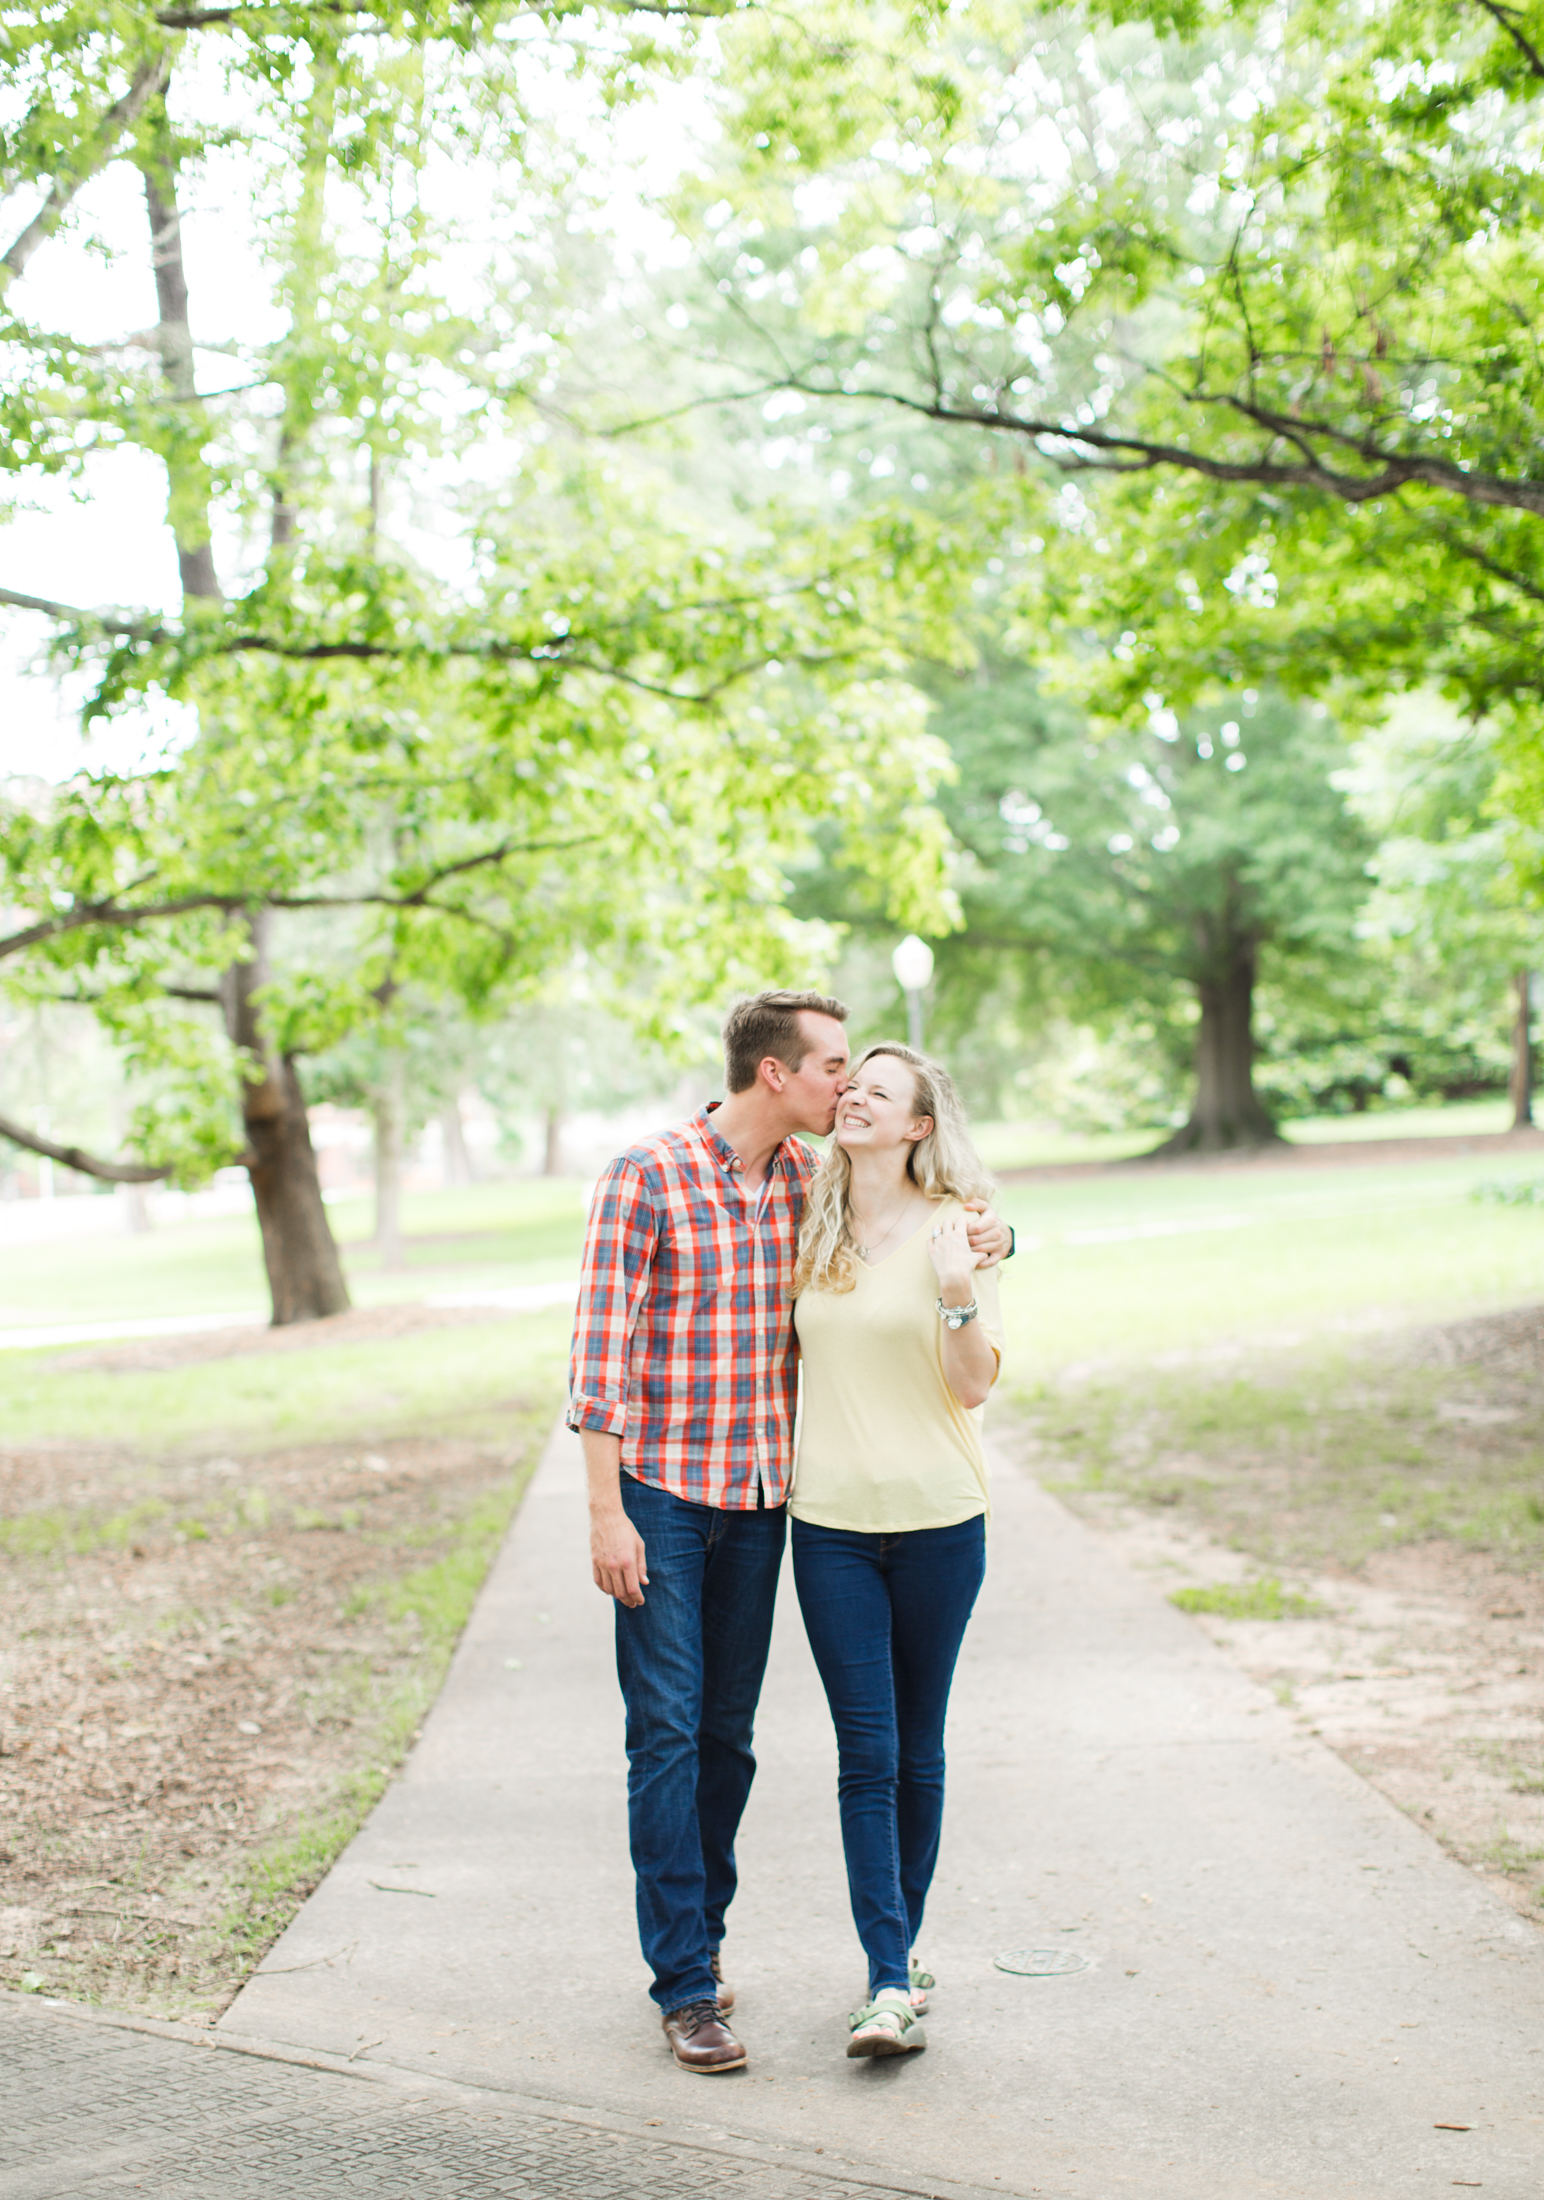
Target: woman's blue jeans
691	1660
886	1615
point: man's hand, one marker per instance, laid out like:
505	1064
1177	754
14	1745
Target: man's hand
989	1238
618	1565
617	1561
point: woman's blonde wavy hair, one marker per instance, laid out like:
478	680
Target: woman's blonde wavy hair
943	1165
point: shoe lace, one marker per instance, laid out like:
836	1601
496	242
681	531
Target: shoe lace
695	2015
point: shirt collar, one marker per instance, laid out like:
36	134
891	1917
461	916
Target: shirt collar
720	1148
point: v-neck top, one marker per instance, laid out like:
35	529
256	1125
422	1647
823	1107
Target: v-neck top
885	1447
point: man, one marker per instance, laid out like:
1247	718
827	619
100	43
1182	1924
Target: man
683	1387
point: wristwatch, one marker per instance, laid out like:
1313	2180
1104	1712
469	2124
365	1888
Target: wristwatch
955	1317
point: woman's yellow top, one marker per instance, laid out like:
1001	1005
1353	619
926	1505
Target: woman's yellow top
885	1447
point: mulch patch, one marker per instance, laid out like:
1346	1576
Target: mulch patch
192	1667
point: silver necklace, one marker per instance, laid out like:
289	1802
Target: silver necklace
864	1251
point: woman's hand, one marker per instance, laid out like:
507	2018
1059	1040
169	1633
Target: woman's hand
990	1236
969	1357
955	1261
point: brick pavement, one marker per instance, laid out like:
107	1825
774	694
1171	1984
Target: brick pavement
90	2110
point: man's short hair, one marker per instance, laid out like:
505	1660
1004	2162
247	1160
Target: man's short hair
766	1024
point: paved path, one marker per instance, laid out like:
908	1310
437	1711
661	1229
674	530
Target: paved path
1288	1987
1285	1987
92	2109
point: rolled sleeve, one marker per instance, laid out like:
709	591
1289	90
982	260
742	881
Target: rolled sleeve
619	1250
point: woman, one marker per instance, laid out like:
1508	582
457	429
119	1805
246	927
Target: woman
900	1342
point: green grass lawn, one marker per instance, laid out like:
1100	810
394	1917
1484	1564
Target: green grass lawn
453	1381
1037	1145
1185	1277
1138	1263
1235	1345
1459	1119
521	1232
1313	1456
1118	1265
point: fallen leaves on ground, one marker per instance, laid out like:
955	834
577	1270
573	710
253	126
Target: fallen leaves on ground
207	1668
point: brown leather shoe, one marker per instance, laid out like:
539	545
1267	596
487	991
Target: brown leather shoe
725	1993
700	2039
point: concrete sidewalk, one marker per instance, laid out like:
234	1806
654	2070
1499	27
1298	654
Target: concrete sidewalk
1285	1987
96	2108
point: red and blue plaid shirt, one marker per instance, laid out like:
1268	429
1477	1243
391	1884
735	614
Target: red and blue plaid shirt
684	1342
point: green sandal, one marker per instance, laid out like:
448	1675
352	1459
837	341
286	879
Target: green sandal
921	1981
887	2025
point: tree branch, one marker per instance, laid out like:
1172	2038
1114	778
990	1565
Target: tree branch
1495	568
113	913
198	19
111	1172
1129	454
421	896
123	916
111	622
150	78
556	649
1506	18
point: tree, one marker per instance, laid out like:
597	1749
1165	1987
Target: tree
1167	869
1455	939
607	728
1251	293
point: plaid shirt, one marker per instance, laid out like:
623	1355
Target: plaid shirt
684	1343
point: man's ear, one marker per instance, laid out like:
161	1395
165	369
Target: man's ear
772	1071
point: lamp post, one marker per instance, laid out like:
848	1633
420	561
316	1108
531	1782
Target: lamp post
912	963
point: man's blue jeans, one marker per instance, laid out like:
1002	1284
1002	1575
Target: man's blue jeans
691	1661
886	1615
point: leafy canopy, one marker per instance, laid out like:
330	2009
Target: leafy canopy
453	697
1250	293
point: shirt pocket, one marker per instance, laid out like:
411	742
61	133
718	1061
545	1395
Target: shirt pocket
697	1252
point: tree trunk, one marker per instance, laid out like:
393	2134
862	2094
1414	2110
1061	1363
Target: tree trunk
552	1157
76	169
187	475
459	1165
293	363
136	1208
305	1275
1226	1112
389	1112
1522	1053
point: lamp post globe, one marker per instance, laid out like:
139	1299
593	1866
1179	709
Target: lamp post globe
912	963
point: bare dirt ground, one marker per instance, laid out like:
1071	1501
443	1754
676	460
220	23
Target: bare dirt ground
1390	1507
1425	1670
209	1666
